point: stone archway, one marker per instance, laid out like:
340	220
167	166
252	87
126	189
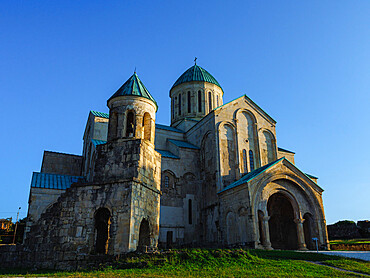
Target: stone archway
282	227
308	230
102	225
144	235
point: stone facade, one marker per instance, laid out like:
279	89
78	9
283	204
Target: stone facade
214	178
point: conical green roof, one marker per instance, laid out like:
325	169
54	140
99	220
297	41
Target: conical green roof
133	87
196	73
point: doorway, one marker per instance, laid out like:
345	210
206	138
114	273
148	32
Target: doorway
283	230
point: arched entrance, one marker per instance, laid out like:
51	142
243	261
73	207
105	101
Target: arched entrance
144	235
283	231
102	224
307	228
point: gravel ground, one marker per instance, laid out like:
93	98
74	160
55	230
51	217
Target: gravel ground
363	255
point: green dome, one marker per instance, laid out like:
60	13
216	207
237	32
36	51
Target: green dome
133	87
196	73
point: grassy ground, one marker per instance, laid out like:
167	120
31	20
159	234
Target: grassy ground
216	263
350	241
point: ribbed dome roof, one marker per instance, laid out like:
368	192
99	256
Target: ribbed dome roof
196	73
134	87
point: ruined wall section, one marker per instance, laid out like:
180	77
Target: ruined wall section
40	199
66	232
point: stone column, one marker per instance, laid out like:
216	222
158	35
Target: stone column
139	126
300	234
266	233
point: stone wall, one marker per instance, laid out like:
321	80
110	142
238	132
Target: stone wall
236	221
61	163
66	233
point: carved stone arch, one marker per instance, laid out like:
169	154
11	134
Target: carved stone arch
228	153
221	124
168	180
290	197
241	110
247	138
268	146
263	129
305	190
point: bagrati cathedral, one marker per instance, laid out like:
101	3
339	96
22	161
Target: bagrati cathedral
214	178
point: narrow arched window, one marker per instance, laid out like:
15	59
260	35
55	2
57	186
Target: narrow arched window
210	101
199	101
174	104
190	212
217	100
245	163
189	102
166	181
130	127
147	126
251	160
173	108
179	104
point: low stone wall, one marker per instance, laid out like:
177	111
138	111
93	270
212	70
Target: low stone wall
18	256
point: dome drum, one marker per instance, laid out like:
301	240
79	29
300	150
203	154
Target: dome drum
195	94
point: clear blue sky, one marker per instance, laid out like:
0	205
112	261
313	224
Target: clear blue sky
306	63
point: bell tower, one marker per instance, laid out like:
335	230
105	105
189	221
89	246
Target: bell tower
129	161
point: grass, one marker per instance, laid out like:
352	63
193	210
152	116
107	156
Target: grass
215	263
350	241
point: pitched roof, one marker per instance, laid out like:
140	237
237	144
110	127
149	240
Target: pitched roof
310	176
54	181
100	114
251	175
284	150
196	73
169	128
183	144
133	87
168	154
251	102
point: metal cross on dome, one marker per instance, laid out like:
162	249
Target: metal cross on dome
195	60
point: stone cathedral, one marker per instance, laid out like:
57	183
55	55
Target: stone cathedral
214	178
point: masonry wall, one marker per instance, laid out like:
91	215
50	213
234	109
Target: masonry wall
236	219
61	163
